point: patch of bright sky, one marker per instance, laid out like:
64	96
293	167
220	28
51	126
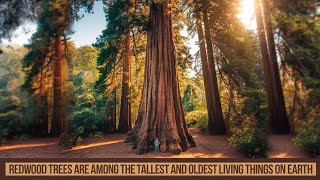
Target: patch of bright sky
22	34
90	26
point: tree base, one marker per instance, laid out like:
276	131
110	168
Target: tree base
167	145
221	131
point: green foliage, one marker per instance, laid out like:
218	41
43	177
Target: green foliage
249	131
299	28
299	48
86	114
55	18
188	99
16	107
309	133
197	118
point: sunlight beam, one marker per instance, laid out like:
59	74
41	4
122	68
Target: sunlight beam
247	14
93	145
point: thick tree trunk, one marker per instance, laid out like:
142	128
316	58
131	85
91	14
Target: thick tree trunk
125	111
58	124
161	113
217	126
276	103
205	68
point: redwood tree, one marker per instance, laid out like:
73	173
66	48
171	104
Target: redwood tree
205	68
160	113
276	103
216	125
58	124
125	110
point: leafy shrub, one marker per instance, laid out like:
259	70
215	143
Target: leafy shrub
82	122
249	139
249	135
309	133
199	119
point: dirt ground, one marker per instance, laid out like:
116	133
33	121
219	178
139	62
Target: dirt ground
281	146
113	146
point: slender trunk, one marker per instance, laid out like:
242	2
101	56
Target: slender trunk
264	54
161	113
42	126
125	110
279	123
205	68
276	104
217	126
114	119
44	123
58	121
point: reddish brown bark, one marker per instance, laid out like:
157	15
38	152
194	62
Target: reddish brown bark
58	125
160	113
216	125
276	103
125	124
205	68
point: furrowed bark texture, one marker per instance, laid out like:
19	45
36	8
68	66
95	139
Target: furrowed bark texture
160	113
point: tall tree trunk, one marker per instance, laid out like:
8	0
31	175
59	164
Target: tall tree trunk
205	68
125	111
42	126
264	54
217	126
58	124
160	113
280	123
276	103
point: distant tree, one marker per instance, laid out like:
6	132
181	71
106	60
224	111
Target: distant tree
205	65
188	99
49	49
279	123
125	122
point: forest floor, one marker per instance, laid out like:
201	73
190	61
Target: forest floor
113	146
